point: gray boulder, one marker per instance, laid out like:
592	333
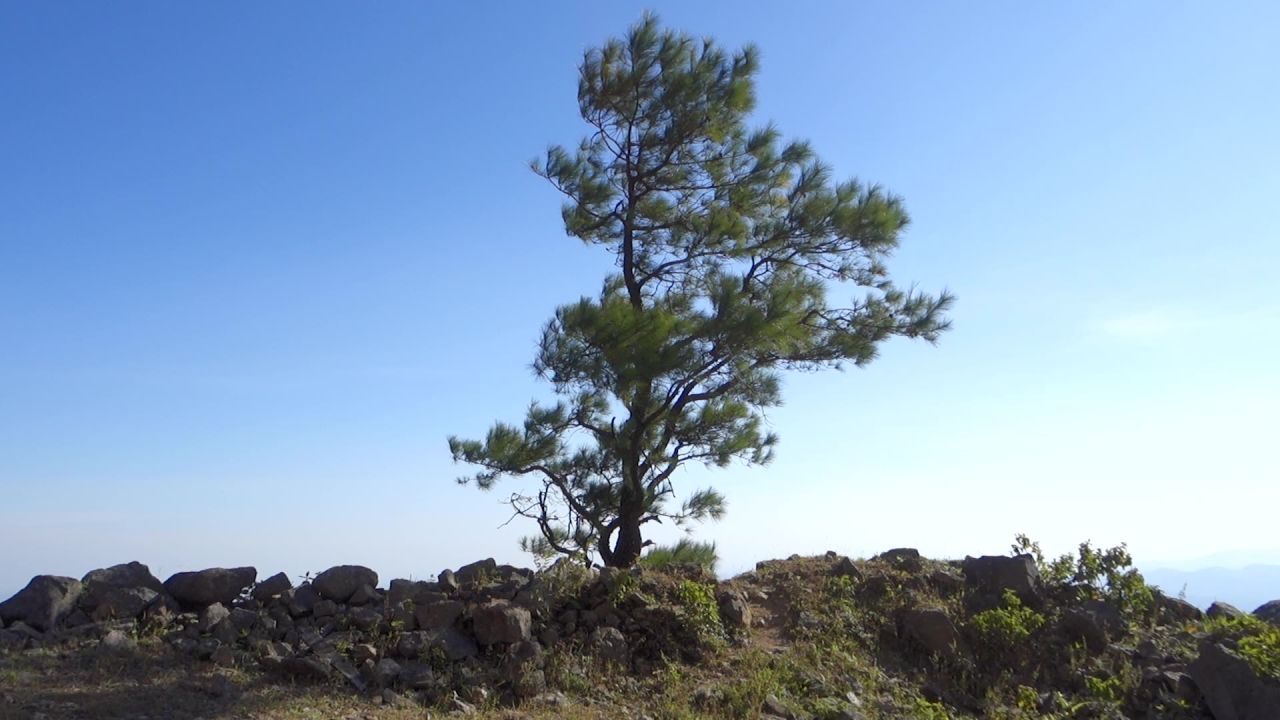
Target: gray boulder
364	617
202	588
993	574
432	616
735	613
500	621
845	567
117	641
1221	610
11	641
302	599
401	590
127	575
1269	611
907	559
119	603
477	572
412	644
385	672
610	644
1095	622
931	628
364	595
273	586
211	616
1172	610
1232	690
453	643
43	602
341	582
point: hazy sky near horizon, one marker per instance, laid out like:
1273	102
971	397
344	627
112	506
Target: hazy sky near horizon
258	261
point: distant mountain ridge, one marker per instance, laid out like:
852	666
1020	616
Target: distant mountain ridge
1244	587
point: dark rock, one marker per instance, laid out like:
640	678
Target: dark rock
1232	690
735	613
302	600
401	616
341	582
1095	622
385	672
500	621
325	608
119	603
242	619
364	617
127	575
12	641
343	667
205	647
845	567
907	559
117	641
212	615
363	652
452	643
1172	610
1221	610
401	590
529	683
76	618
931	628
26	631
223	657
1269	611
448	582
417	676
273	586
993	574
610	644
946	582
205	587
363	595
43	602
773	706
476	573
442	614
308	667
412	644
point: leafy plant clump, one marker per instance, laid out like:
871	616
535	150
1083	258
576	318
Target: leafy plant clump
1006	629
685	552
1093	573
698	600
1257	641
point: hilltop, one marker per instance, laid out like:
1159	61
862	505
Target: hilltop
824	637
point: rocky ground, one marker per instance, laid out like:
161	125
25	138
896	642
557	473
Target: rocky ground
894	636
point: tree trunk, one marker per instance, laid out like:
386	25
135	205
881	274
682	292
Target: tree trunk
627	550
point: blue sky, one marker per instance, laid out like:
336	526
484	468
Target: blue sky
257	262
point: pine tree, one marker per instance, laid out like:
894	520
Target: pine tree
727	242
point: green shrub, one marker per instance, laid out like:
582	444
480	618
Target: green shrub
698	600
1006	628
1103	574
685	552
926	710
1257	641
1108	689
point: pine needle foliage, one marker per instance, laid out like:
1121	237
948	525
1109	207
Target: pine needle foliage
684	552
727	241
